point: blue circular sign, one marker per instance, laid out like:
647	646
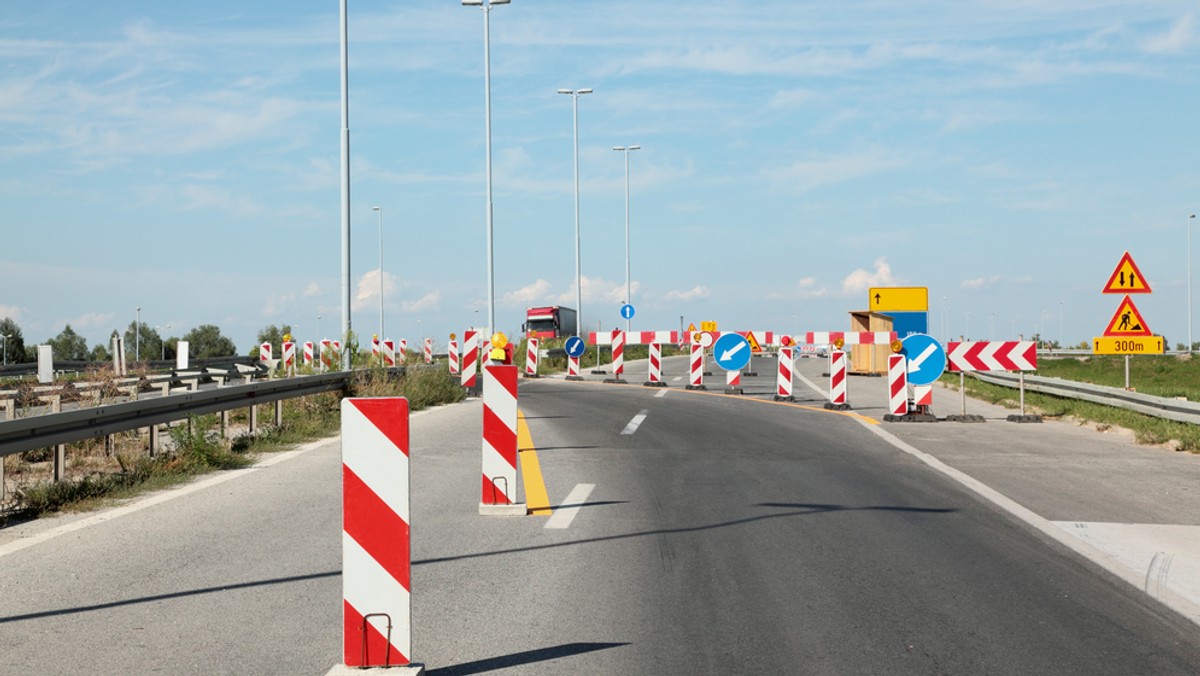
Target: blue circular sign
575	347
731	352
627	311
925	357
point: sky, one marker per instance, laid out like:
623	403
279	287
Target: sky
184	158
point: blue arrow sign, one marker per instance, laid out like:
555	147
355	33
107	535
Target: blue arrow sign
627	311
575	347
926	358
731	352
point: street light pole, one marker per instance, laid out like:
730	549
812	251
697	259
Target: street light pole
486	5
575	94
628	294
380	210
4	347
347	357
137	336
1060	325
1189	282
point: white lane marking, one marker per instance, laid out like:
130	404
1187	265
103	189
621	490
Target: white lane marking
637	420
565	513
662	394
677	379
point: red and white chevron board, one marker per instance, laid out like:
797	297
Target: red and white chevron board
264	352
783	382
984	355
499	435
618	353
388	349
848	337
470	358
897	384
655	363
308	354
531	357
837	377
452	356
696	371
635	337
289	355
428	350
376	549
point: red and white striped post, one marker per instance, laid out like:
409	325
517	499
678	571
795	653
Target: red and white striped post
428	350
837	379
402	351
337	353
308	353
264	352
696	370
452	356
783	382
897	384
388	349
376	545
733	382
655	375
572	368
326	355
375	349
618	353
289	357
470	358
531	359
499	487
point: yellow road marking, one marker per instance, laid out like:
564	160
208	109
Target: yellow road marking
536	497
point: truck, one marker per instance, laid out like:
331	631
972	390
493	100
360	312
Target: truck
549	322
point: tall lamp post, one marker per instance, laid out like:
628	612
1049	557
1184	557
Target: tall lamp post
137	336
626	150
162	342
1060	325
1189	281
486	5
4	347
380	210
575	94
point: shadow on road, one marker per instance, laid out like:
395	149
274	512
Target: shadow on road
521	658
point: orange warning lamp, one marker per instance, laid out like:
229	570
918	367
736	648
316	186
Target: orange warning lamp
787	341
897	346
499	342
287	337
452	336
839	342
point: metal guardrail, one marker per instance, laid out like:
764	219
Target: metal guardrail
1179	410
25	434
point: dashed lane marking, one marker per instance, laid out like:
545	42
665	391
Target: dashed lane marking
637	421
565	514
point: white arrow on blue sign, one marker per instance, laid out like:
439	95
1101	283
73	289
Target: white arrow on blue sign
926	358
731	352
627	311
575	347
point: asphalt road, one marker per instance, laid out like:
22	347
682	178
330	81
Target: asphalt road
723	535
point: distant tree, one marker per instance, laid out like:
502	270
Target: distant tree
274	335
99	353
206	341
147	347
169	347
69	346
14	344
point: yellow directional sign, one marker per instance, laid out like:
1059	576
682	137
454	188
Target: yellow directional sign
1126	278
898	299
1127	345
708	326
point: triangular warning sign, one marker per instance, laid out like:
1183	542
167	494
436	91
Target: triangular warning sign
692	327
1127	321
754	346
1126	278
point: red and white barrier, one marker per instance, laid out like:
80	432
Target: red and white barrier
499	485
402	352
289	356
531	358
696	368
923	395
897	384
452	356
618	353
635	337
470	358
337	353
783	382
308	353
572	367
849	337
388	349
326	355
428	350
264	352
1010	355
837	378
733	380
375	348
376	545
655	375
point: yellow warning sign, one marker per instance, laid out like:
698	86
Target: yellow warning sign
1131	345
692	327
1127	278
1127	321
755	347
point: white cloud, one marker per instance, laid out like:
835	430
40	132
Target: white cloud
805	175
806	287
981	282
688	295
368	289
277	304
1177	39
861	280
13	312
93	319
533	294
313	289
427	302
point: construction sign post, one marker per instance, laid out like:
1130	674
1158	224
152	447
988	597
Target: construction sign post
1127	332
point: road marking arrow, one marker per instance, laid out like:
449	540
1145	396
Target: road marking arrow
732	351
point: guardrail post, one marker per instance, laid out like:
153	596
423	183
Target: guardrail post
253	418
60	451
153	440
224	424
10	408
279	413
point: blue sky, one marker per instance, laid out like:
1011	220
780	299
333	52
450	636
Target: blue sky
184	158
